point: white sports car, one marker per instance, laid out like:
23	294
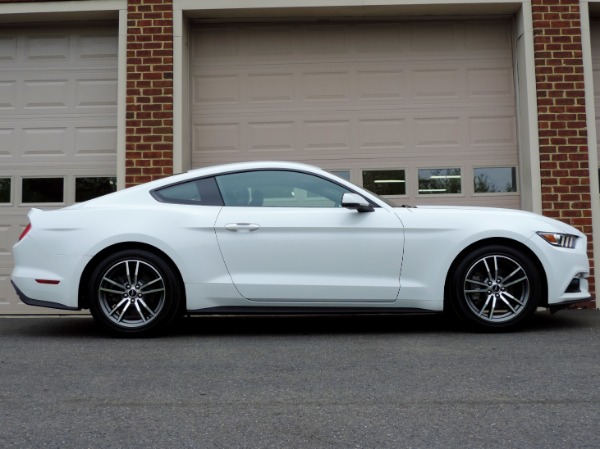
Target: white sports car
277	237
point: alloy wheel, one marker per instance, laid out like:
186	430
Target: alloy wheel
496	288
131	293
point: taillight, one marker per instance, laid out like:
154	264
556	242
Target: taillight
25	232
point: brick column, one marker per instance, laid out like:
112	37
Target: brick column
561	114
149	125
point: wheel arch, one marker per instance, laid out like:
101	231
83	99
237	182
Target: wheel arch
89	268
503	242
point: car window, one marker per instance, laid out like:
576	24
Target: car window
279	188
202	192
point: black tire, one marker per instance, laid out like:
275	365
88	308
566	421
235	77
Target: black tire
134	293
495	288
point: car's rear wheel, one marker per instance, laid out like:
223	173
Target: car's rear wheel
495	288
134	293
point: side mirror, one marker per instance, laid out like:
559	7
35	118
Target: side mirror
357	202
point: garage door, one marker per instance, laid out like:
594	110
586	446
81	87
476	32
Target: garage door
422	112
595	41
58	94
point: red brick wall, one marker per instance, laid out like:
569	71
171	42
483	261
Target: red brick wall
561	114
149	120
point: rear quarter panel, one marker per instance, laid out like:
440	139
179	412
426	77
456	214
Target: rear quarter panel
184	233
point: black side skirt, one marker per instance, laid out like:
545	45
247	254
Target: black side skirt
270	310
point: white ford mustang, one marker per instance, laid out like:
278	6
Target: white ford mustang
276	237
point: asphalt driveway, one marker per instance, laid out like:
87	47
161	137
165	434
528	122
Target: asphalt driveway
301	382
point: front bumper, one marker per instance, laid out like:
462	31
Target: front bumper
562	305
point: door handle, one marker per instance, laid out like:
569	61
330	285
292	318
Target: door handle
242	227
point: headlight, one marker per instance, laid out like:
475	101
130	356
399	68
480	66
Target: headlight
560	240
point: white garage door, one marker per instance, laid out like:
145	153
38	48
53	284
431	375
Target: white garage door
422	112
58	92
595	41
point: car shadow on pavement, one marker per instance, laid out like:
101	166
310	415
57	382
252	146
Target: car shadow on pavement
231	325
350	324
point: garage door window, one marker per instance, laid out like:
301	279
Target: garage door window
344	174
88	188
495	179
5	184
43	190
385	182
435	181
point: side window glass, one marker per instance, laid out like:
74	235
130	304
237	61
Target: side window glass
278	188
202	192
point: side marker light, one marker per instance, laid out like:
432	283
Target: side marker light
47	281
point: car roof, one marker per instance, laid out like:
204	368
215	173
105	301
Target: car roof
255	165
139	191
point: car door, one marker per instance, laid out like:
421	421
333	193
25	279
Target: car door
285	238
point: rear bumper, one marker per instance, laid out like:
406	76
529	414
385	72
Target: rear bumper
44	279
39	303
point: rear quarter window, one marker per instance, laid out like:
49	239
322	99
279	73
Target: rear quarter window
200	192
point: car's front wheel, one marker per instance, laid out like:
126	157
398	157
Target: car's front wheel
134	293
495	288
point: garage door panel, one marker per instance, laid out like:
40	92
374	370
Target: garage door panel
96	140
218	137
217	88
44	141
326	86
45	93
436	83
50	49
8	47
95	94
7	296
469	134
265	88
381	85
382	133
8	138
495	131
271	135
12	224
8	236
437	132
257	44
434	38
324	41
349	96
327	135
490	84
67	136
96	46
8	92
491	38
302	87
